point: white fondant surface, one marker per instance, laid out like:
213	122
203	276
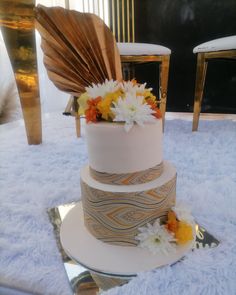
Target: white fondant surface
113	150
169	172
225	43
101	257
142	49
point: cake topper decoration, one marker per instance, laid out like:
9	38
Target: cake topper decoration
128	102
79	49
82	58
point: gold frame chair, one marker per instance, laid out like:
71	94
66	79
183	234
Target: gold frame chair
205	52
123	27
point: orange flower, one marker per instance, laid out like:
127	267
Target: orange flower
134	81
182	230
157	113
184	233
104	106
92	113
153	105
172	223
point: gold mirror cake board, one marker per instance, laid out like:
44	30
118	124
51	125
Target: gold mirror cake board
86	282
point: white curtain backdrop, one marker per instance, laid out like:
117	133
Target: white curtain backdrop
52	99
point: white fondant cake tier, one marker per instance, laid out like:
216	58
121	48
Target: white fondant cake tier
113	150
113	213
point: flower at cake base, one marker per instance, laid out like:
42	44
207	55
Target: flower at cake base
132	109
184	233
180	223
156	239
183	212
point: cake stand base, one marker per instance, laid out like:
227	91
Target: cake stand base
106	259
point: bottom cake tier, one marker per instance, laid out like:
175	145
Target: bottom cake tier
113	213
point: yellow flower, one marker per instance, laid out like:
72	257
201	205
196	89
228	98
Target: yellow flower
104	106
184	233
148	95
115	95
83	105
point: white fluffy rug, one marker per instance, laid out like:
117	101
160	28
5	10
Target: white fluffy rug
34	178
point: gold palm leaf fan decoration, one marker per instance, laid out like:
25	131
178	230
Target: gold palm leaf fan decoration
79	49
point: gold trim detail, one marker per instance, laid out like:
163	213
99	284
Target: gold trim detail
128	178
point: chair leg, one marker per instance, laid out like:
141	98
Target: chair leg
75	108
163	84
31	109
19	37
77	125
72	110
69	107
199	88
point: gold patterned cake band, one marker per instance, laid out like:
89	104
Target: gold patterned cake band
115	218
128	178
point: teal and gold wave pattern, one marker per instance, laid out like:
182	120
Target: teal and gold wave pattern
128	178
115	217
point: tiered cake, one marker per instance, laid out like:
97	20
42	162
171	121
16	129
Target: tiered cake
127	189
126	184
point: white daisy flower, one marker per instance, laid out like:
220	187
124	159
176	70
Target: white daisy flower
130	87
102	89
156	239
130	110
183	212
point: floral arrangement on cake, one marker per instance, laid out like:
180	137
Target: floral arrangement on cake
113	101
163	238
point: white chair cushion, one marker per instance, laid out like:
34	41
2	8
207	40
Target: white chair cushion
225	43
142	49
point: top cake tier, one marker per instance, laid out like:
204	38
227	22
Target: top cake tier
133	154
